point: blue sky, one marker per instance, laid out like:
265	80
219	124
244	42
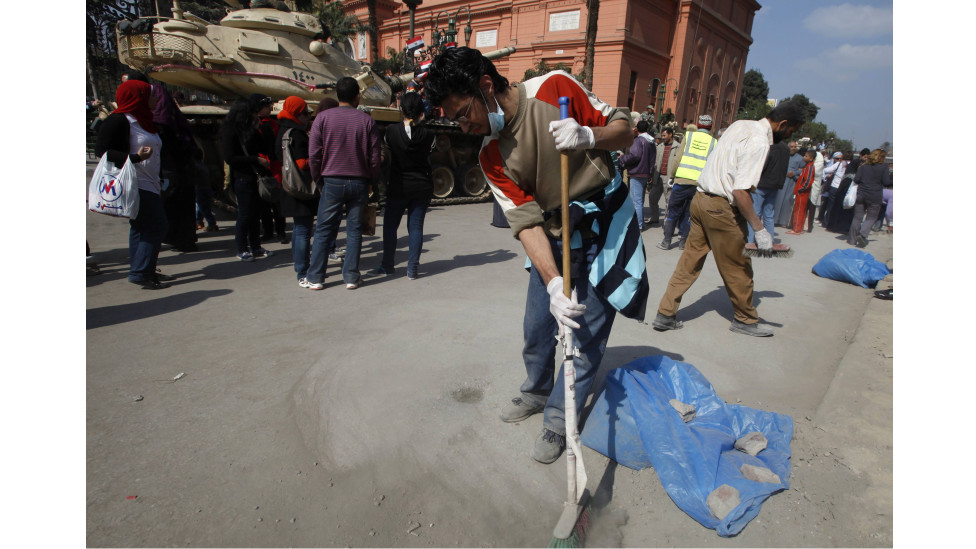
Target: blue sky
839	54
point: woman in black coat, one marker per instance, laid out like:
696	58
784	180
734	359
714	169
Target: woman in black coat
410	188
294	116
179	156
240	145
872	177
838	218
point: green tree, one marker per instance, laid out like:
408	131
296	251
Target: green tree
810	110
753	99
211	10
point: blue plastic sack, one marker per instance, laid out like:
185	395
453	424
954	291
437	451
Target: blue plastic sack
852	265
633	423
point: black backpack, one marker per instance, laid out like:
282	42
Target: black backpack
298	183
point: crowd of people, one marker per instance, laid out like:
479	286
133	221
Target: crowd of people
339	148
724	194
798	186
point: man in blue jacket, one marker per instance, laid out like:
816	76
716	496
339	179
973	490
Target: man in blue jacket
639	163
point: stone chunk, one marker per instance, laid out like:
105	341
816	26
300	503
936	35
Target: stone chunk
752	443
722	500
759	474
687	411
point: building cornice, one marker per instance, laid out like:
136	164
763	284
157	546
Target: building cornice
723	24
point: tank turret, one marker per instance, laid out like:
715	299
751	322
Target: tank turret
258	50
282	53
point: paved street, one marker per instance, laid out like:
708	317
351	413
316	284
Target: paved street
344	418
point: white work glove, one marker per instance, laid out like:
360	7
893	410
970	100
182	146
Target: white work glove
764	241
571	136
562	307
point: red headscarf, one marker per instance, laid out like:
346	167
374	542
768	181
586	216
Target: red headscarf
293	107
133	98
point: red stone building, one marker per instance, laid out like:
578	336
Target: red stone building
688	56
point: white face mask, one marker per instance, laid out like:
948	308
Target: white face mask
495	119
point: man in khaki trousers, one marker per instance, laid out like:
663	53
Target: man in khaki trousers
720	211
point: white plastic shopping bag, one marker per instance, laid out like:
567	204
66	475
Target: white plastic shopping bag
850	197
113	191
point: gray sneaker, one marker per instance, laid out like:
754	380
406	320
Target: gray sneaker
548	447
519	410
750	329
663	323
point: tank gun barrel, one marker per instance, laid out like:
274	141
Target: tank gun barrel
498	54
399	82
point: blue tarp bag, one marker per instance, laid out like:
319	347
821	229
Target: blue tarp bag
852	265
633	423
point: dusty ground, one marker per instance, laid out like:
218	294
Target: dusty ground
369	417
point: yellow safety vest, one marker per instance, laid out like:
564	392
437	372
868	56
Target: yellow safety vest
698	145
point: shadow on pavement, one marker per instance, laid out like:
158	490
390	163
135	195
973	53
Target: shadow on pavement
118	314
718	300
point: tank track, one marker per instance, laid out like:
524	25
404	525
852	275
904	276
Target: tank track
451	200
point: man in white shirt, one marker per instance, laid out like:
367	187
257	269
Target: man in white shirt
719	213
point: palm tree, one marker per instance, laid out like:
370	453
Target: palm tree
374	48
341	26
589	44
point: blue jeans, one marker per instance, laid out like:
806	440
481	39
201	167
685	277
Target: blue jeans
539	329
335	193
146	237
416	209
247	232
204	199
301	237
637	188
678	215
764	204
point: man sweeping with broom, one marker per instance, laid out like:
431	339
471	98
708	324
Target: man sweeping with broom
520	157
720	211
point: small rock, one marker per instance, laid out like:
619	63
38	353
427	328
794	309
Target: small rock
722	501
137	398
256	507
260	519
277	520
687	411
331	484
759	474
413	528
372	532
752	443
293	520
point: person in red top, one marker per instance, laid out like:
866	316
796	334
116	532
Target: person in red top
272	220
802	192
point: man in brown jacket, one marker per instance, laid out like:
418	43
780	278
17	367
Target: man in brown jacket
664	168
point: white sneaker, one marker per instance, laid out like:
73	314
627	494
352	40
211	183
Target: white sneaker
303	283
314	285
352	286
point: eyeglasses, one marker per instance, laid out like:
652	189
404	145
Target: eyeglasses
458	117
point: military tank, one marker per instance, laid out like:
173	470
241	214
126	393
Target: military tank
282	53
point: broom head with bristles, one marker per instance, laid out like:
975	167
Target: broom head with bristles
779	250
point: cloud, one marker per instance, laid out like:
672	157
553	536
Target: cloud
845	63
850	21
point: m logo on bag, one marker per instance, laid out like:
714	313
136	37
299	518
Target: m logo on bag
108	191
